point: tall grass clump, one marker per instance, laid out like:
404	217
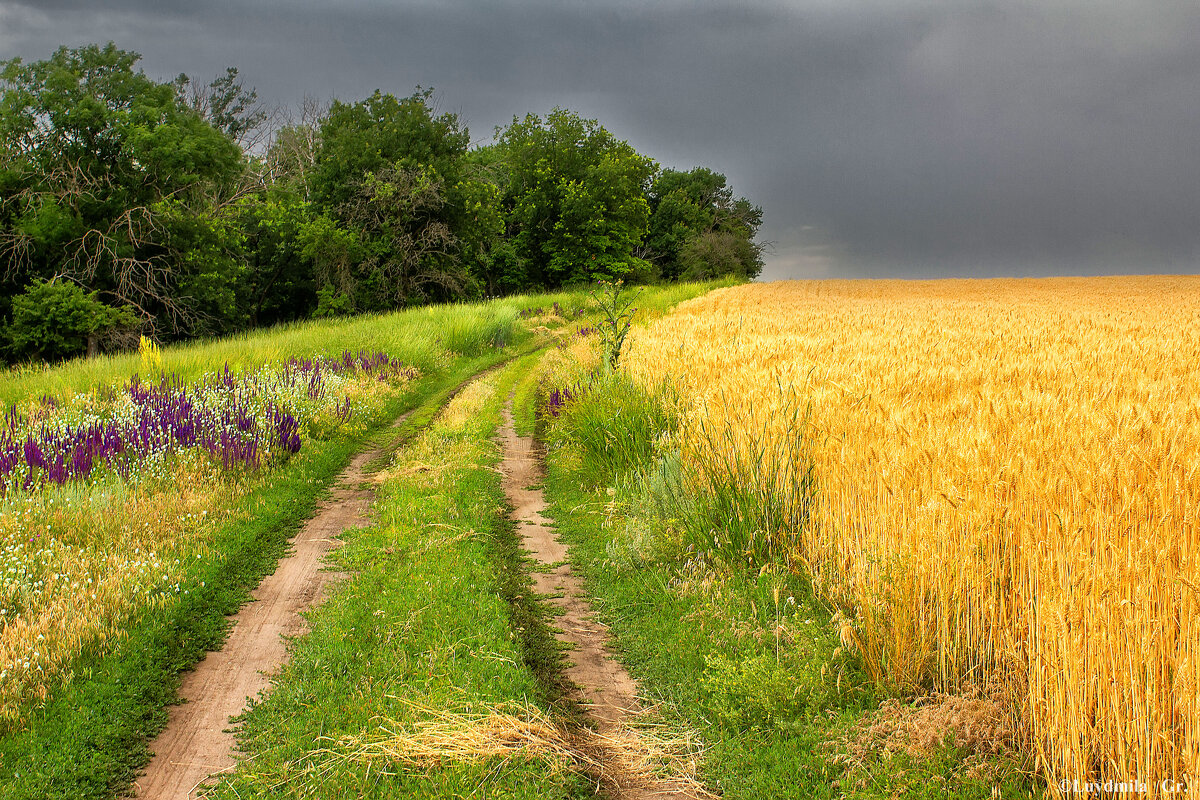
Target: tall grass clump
612	424
739	495
474	333
742	495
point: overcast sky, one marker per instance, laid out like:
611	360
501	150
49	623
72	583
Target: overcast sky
908	138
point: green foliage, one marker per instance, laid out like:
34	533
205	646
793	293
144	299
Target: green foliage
393	175
210	270
746	499
575	198
383	132
409	248
279	282
53	321
719	254
161	196
332	250
112	181
332	303
698	230
759	691
224	102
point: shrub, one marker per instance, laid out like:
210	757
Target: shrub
332	303
54	321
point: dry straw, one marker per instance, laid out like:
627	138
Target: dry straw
648	756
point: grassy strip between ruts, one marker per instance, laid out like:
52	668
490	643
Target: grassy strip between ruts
91	737
745	656
431	656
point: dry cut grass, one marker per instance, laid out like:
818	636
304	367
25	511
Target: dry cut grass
645	757
1008	478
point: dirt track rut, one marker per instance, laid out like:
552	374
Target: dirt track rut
604	687
198	741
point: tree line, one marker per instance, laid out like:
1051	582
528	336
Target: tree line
182	209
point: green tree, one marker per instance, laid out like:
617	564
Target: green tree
225	103
383	132
497	268
719	254
417	222
109	179
288	249
575	200
280	282
699	229
291	155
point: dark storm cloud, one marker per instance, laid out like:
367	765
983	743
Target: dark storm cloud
908	138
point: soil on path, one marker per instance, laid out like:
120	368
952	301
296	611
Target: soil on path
198	741
604	687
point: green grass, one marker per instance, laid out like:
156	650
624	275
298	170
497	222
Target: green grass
615	428
90	738
426	337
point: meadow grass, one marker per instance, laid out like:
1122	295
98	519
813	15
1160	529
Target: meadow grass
76	560
131	581
191	545
422	337
614	429
440	619
88	736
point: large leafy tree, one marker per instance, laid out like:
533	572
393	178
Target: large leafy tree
280	220
280	284
109	178
403	217
698	229
575	198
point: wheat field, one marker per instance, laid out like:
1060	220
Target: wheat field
1008	476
